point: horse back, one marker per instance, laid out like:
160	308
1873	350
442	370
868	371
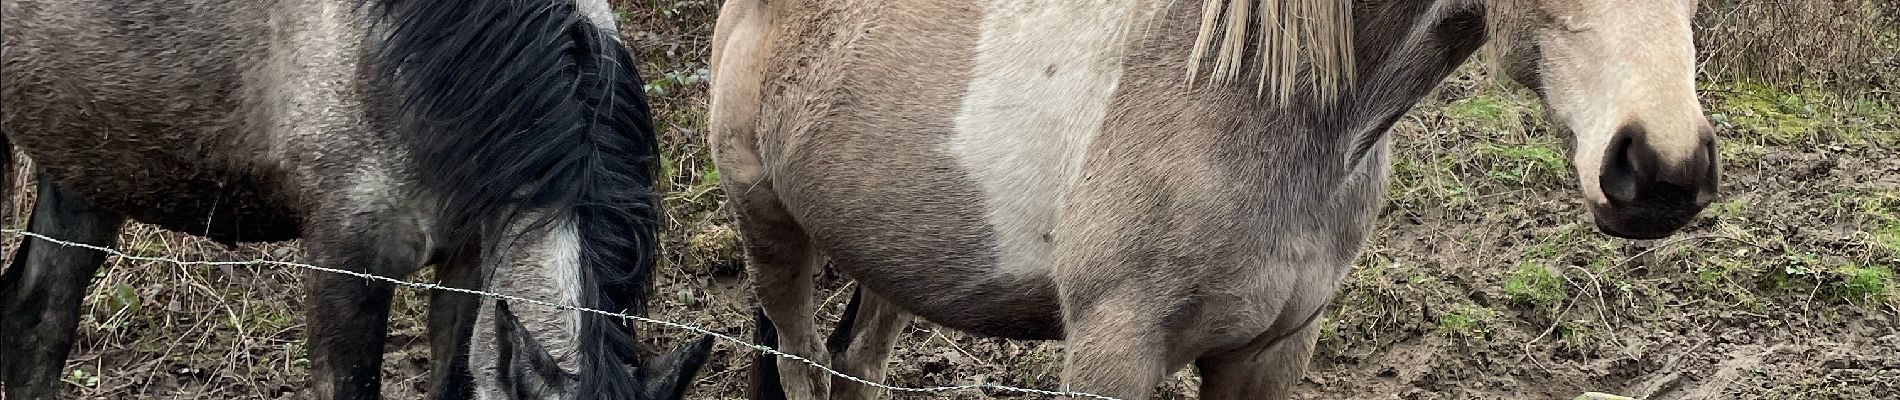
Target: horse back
165	111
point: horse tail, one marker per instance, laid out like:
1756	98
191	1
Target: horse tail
518	108
6	178
765	384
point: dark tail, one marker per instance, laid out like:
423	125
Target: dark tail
840	338
6	179
516	106
765	378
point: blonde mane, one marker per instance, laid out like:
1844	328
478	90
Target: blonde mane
1314	33
1288	33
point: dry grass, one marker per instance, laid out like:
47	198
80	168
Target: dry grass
1843	46
160	330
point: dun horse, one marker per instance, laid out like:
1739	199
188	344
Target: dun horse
506	142
1159	183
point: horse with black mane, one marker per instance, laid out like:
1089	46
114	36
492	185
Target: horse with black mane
505	142
1158	183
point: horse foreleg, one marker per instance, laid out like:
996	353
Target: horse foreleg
451	324
783	284
779	260
1115	347
40	292
862	344
348	317
1264	370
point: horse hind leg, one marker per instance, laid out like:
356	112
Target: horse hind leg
40	292
862	343
1264	370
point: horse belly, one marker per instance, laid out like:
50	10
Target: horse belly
227	208
907	222
877	180
918	238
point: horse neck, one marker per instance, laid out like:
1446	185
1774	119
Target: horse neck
1402	50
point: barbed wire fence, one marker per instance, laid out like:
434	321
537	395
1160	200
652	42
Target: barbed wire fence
635	318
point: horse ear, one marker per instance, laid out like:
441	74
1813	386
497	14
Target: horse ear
518	350
668	376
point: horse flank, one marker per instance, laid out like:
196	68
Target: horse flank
1503	24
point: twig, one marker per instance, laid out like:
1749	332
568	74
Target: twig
953	344
1619	266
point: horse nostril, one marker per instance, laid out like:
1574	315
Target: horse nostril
1708	166
1627	166
1648	195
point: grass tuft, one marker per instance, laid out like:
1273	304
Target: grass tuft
1872	283
1533	284
1467	322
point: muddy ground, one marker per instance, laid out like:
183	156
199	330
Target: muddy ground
1484	280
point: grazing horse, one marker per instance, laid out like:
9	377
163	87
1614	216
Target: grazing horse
1157	182
506	142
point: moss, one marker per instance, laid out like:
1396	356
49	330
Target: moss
1489	112
1783	117
1765	111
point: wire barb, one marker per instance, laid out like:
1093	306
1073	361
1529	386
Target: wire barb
515	299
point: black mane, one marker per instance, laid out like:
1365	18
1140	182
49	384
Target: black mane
517	106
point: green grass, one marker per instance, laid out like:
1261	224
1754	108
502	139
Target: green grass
1873	121
1887	236
1533	284
1877	215
1715	273
1729	210
1490	112
1529	163
1467	322
1866	283
1739	151
1807	116
1882	212
1577	334
1430	183
1795	268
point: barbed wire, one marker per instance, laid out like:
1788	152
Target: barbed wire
512	298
